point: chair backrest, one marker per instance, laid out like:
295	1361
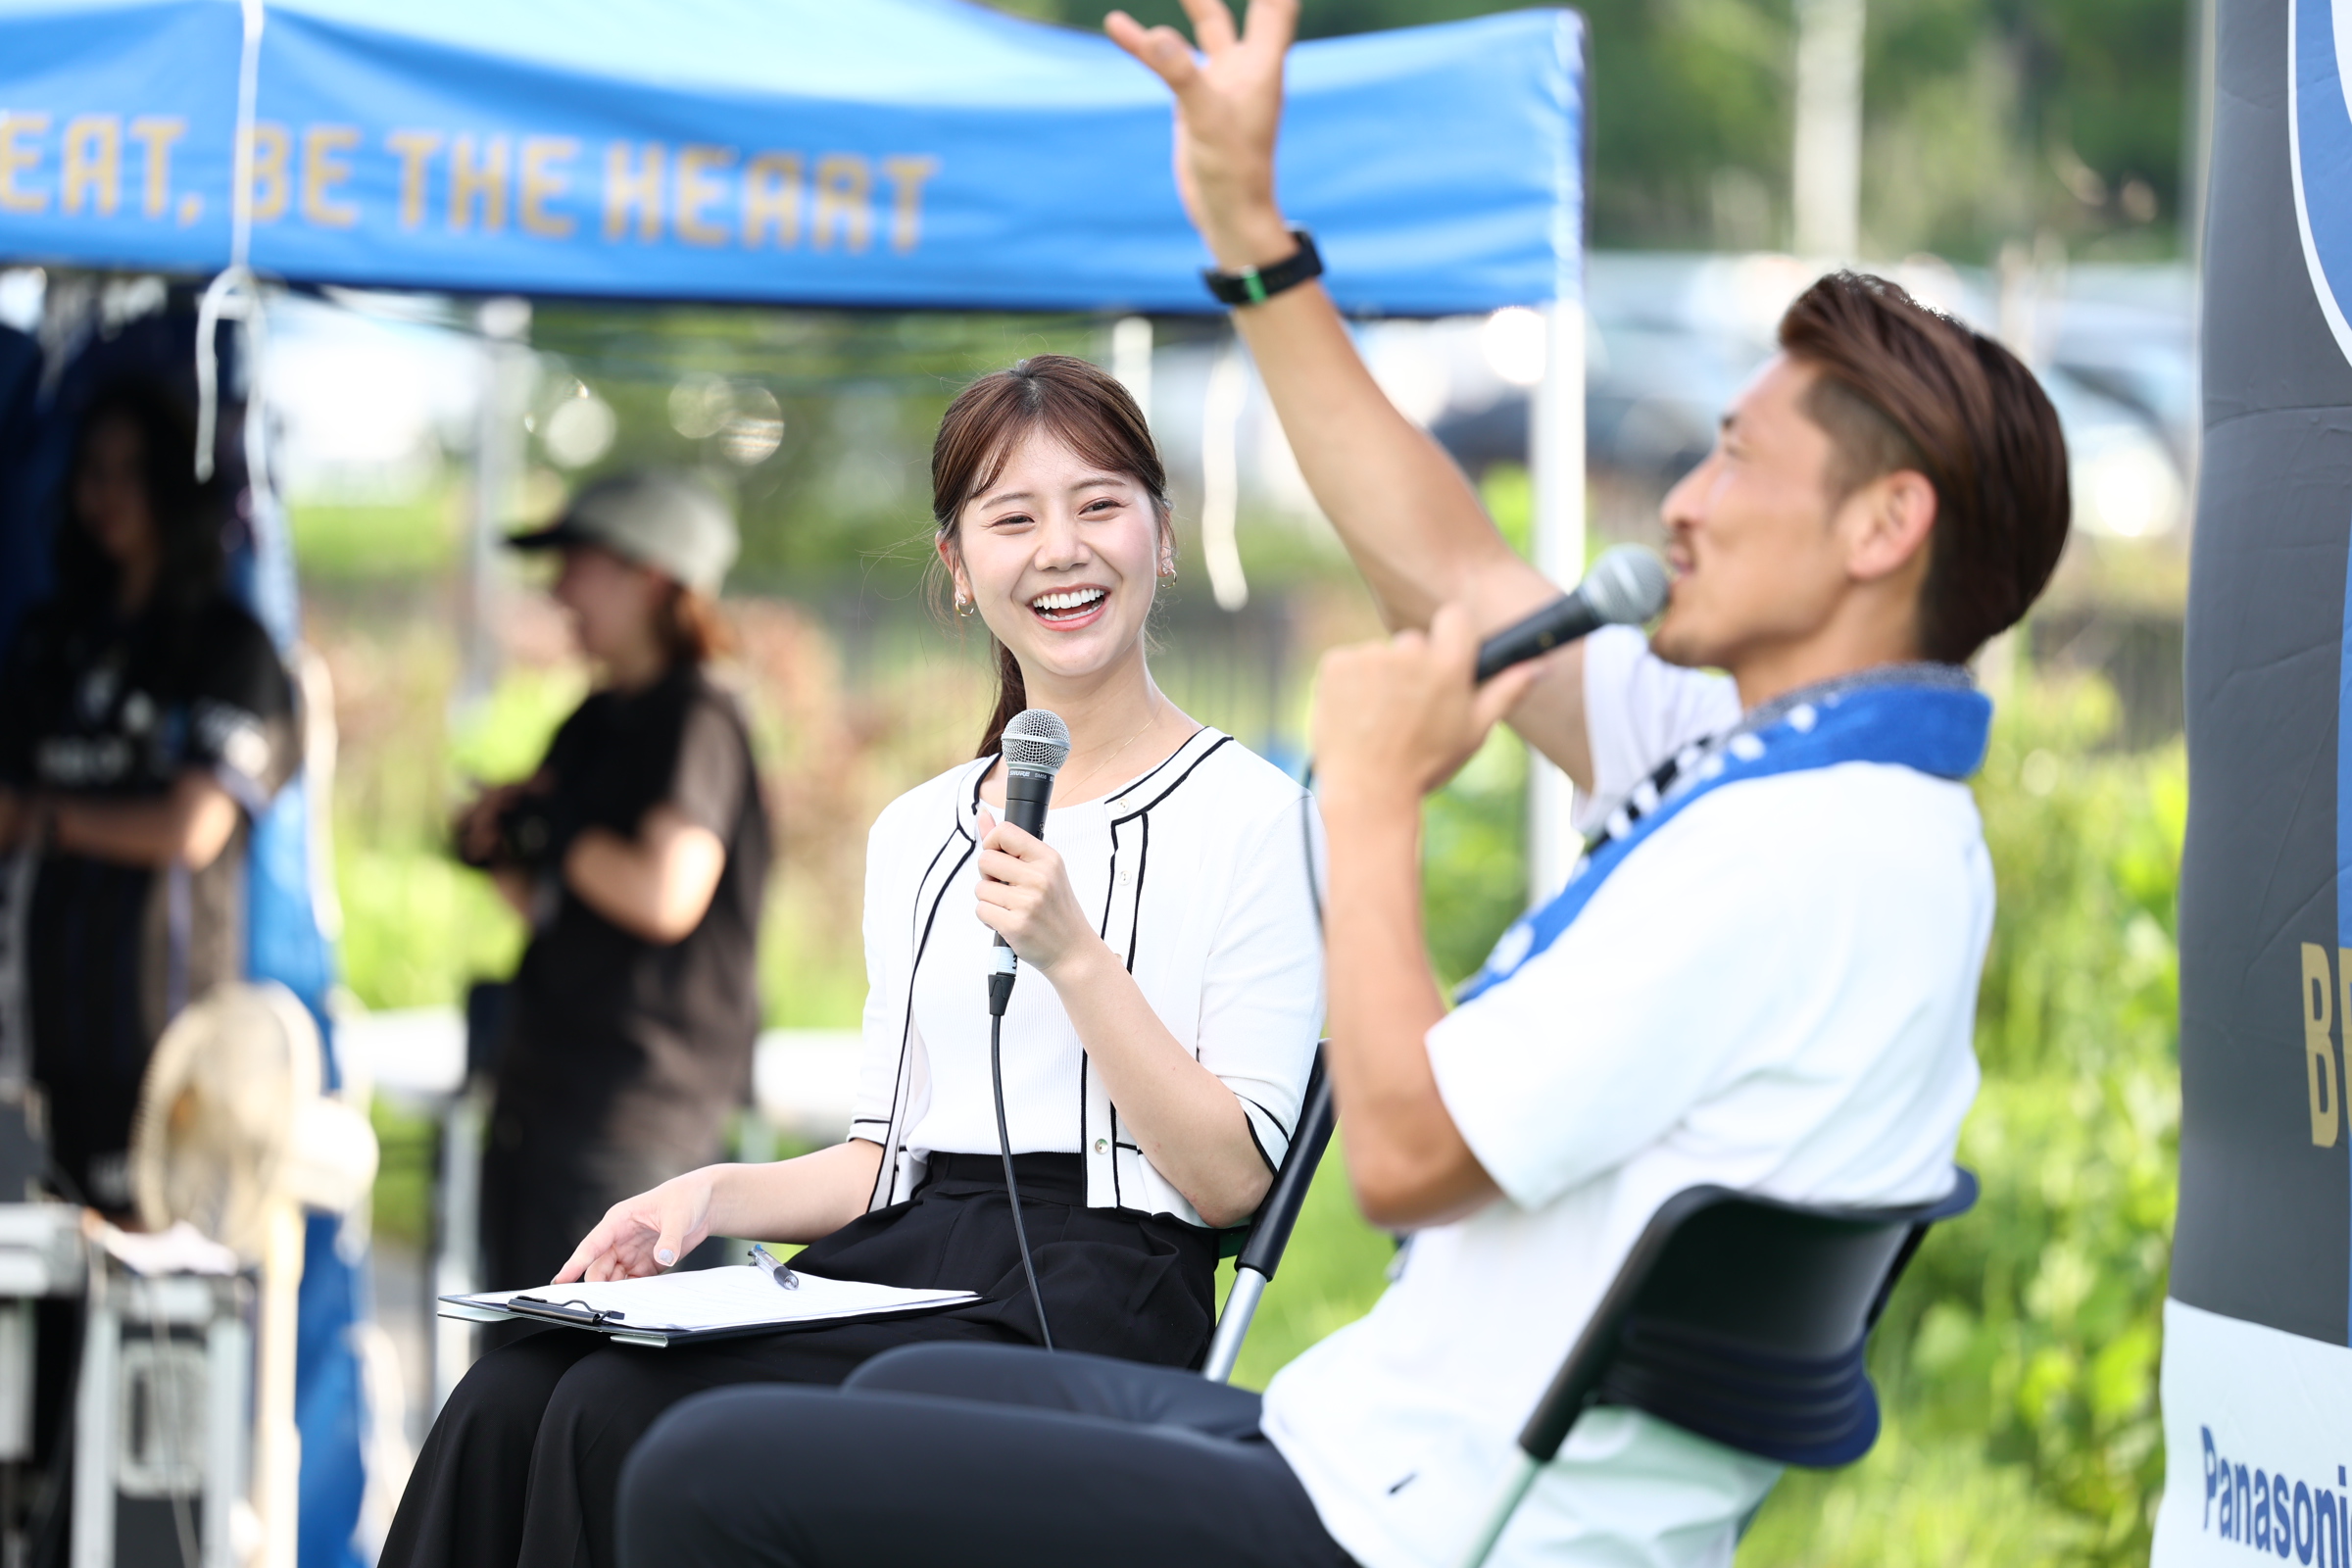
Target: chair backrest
1270	1228
1744	1319
1261	1246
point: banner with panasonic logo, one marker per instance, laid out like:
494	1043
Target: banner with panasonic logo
2257	1368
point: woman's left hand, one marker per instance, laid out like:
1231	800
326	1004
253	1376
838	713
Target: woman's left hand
1025	896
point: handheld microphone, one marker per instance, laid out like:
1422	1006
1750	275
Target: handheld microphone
1627	586
1036	744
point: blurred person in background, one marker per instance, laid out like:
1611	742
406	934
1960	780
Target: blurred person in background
639	854
145	721
1155	1051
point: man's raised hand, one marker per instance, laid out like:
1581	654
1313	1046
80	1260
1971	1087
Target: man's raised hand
1228	109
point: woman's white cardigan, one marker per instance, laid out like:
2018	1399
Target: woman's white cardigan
1207	897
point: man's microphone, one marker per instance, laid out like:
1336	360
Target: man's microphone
1626	587
1036	744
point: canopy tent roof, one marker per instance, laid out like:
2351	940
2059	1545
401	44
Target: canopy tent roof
885	153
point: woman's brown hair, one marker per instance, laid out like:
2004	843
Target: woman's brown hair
692	627
1081	406
187	515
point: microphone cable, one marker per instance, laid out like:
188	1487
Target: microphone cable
1012	1188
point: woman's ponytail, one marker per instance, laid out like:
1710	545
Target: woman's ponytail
1013	695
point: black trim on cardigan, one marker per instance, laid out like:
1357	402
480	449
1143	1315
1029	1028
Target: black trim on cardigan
1286	1133
1132	785
1272	1170
886	1179
1222	742
1134	923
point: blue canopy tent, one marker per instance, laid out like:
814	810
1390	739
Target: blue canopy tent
891	153
888	153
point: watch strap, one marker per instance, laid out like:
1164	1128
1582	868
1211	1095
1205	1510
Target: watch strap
1254	285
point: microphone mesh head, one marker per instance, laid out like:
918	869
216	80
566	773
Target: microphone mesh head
1036	741
1627	585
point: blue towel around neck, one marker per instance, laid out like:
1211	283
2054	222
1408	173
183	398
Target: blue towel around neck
1937	728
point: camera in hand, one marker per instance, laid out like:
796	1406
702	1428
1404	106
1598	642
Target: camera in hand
533	832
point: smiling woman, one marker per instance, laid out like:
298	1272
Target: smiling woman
1053	466
1155	1052
1054	523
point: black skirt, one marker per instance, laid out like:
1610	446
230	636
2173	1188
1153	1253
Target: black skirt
1140	1287
524	1465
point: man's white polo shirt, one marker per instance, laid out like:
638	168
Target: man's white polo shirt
1777	992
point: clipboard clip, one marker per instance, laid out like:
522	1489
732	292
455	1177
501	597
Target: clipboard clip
571	1311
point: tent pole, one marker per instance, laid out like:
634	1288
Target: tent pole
498	456
1221	404
1827	158
1131	359
1557	459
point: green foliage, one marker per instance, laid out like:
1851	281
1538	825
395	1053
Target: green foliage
405	1142
504	737
2086	843
1911	1505
1988	120
355	541
417	926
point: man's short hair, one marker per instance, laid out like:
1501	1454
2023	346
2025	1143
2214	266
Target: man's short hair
1901	387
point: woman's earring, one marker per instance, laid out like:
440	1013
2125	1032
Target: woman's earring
1167	566
964	607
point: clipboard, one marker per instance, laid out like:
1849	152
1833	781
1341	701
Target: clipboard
713	1304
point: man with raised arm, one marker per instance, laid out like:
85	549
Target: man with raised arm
1762	975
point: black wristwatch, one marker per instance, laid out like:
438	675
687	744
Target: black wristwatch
1254	285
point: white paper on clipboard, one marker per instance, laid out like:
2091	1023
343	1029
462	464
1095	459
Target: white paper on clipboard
706	1302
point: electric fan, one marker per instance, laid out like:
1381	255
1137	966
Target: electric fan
234	1136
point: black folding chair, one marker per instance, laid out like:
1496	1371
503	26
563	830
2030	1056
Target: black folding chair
1270	1231
1740	1319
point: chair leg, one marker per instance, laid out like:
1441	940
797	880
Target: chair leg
1241	1305
1506	1502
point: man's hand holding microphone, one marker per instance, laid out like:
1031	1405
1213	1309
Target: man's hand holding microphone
1393	720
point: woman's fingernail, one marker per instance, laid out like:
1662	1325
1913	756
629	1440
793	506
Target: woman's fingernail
664	1257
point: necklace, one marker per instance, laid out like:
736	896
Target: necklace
1095	768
